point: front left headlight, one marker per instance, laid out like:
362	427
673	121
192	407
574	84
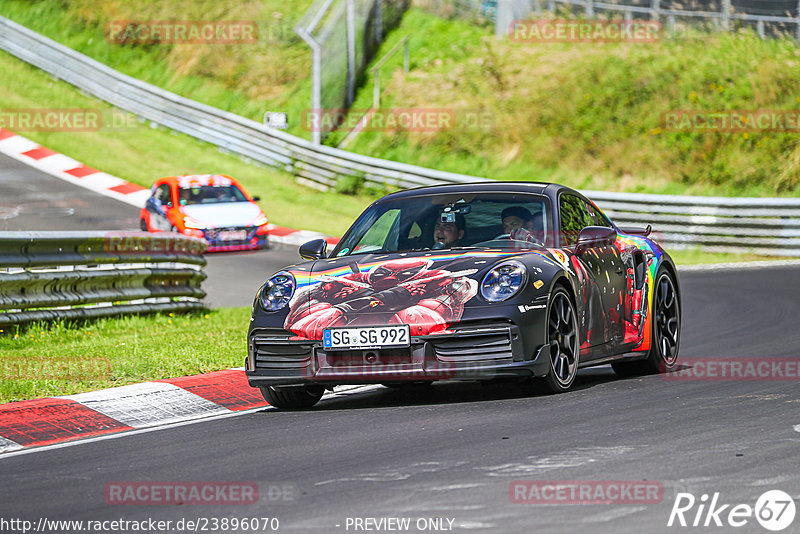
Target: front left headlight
260	221
503	281
277	292
189	222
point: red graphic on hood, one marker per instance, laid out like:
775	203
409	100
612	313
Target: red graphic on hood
406	291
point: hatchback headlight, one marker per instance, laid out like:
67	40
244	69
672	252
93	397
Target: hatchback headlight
503	281
277	292
193	223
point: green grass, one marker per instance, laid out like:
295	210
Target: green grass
141	154
695	256
271	74
589	115
119	351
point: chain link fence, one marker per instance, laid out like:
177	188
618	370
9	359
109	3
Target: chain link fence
344	36
766	17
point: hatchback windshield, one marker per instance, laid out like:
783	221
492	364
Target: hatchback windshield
210	194
496	220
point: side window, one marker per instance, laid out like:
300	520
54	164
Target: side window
163	195
415	231
574	217
596	216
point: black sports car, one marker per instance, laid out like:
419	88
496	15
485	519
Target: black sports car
482	281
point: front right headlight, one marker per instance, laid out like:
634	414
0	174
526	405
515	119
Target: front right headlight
277	292
503	281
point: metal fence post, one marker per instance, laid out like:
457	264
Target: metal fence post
505	15
379	21
351	52
316	80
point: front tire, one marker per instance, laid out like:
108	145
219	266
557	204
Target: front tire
143	225
292	397
562	336
665	332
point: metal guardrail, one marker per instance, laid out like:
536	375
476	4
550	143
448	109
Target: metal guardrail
765	226
81	275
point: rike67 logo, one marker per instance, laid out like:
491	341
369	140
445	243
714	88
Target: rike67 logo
774	510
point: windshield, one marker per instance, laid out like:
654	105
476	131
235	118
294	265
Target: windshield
210	194
496	220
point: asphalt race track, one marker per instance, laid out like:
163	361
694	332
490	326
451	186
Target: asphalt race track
452	451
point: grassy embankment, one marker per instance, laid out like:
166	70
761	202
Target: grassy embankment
57	359
590	115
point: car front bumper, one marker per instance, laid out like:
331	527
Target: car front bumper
467	352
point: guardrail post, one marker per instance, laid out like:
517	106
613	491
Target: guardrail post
671	25
628	15
726	15
589	9
655	7
760	29
797	35
551	6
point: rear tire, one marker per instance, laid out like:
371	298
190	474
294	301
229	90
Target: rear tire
665	332
292	397
562	336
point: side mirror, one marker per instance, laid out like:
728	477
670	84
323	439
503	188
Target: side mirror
595	236
313	250
256	198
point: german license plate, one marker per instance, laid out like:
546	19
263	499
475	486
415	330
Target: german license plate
366	337
232	235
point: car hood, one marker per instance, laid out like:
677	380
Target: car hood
224	213
427	290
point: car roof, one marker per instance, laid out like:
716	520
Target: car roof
542	188
193	180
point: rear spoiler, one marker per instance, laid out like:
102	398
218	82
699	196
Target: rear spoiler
636	230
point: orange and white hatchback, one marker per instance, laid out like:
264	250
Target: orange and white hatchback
213	207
